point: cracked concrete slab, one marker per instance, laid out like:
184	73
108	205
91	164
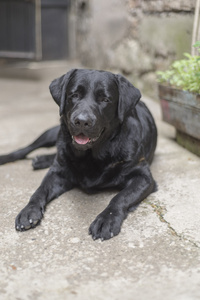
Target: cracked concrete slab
156	255
179	181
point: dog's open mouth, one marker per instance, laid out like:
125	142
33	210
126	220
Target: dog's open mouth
82	139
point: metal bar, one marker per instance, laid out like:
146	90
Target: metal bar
196	27
38	30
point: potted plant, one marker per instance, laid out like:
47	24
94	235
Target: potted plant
179	94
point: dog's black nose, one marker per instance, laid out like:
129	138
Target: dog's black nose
83	121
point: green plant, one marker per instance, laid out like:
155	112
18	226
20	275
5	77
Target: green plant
184	74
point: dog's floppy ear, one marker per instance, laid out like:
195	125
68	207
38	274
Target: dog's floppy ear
58	89
128	96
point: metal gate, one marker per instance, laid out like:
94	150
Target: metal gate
34	29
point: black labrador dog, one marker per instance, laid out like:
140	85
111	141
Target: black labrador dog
106	139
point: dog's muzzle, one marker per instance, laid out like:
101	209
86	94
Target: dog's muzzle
82	139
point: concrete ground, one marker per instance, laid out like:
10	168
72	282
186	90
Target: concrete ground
156	255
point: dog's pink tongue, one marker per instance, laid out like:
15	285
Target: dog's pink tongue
81	139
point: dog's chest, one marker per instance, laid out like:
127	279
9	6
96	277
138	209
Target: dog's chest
92	174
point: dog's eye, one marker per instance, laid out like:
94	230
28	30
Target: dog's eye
104	99
74	96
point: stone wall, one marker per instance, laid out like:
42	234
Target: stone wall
134	37
165	5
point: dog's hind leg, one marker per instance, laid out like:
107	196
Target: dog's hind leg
43	161
47	139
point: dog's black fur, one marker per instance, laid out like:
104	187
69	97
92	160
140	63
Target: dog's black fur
106	139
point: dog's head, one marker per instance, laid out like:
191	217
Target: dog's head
93	103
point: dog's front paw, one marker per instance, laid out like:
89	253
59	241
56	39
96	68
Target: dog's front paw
29	217
106	225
